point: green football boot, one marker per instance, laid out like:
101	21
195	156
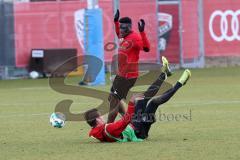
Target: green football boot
185	77
165	67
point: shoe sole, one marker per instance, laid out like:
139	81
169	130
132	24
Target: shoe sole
189	75
165	61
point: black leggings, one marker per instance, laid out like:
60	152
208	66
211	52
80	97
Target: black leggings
145	109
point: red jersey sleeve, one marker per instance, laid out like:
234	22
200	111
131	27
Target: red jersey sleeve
115	129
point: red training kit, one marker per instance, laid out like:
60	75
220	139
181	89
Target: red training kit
115	129
129	49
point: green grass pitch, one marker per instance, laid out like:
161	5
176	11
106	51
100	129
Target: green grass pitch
213	133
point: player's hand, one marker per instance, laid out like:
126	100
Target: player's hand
116	16
136	97
141	25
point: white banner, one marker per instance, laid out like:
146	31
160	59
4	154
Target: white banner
79	26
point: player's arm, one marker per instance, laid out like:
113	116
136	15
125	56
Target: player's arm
144	43
116	22
121	124
117	127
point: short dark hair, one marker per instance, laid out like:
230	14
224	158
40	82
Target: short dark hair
90	117
125	20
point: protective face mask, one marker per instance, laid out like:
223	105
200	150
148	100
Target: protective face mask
125	29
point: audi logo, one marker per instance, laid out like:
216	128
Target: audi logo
234	30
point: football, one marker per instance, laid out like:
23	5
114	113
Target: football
34	75
57	120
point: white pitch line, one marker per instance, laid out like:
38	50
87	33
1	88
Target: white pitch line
178	104
199	103
28	88
25	104
24	115
34	88
39	103
182	103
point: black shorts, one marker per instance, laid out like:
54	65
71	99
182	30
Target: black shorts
121	86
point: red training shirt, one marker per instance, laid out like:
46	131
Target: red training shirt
128	52
115	129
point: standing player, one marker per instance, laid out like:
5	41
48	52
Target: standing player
130	44
136	123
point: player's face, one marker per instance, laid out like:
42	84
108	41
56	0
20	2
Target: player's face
100	120
125	29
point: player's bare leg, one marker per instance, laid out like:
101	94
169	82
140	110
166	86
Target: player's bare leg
114	104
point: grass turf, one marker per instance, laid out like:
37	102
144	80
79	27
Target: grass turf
213	132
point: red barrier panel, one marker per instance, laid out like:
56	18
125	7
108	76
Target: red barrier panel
222	27
51	25
147	10
190	32
172	51
28	33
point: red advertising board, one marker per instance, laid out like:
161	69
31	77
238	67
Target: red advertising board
147	10
189	30
222	27
51	25
172	48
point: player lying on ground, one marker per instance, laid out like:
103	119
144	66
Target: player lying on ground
136	123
